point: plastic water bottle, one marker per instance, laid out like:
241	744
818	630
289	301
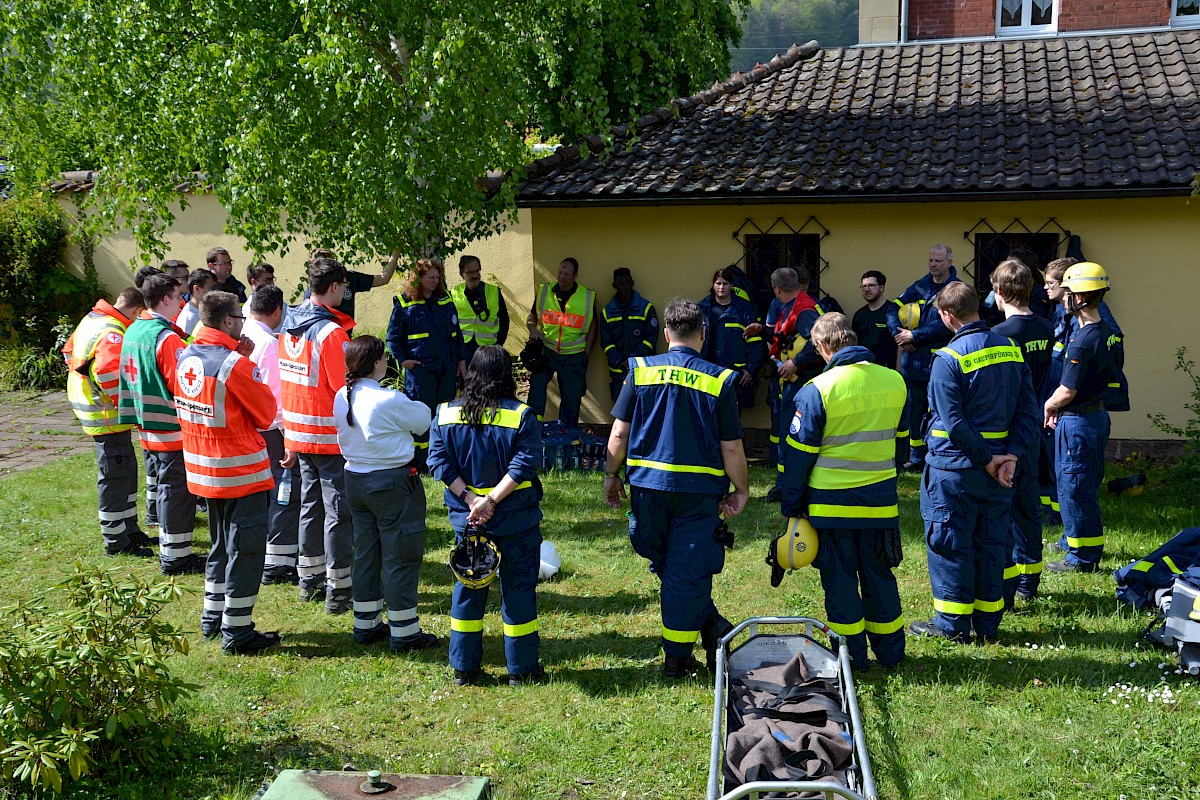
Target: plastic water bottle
285	489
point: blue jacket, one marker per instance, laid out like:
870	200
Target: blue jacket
981	401
723	329
628	331
839	465
1117	396
509	444
426	330
930	333
1136	582
679	408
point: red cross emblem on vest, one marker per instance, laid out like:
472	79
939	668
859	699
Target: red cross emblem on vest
190	374
190	377
131	371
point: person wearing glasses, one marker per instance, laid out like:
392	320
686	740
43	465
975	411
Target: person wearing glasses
221	265
870	321
482	312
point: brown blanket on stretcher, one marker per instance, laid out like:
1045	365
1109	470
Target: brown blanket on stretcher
785	723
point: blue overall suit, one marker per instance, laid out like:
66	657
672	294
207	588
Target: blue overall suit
1080	438
426	330
1023	572
679	408
626	331
981	404
510	443
929	335
840	473
782	396
725	345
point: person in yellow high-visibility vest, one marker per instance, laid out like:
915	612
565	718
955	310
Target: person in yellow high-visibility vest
482	312
562	317
93	356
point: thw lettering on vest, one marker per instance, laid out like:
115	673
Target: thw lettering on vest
1035	345
684	377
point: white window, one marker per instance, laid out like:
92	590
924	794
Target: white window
1022	17
1185	13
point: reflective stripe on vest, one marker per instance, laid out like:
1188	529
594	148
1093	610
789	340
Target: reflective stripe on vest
679	376
483	331
566	328
985	357
95	408
500	417
862	409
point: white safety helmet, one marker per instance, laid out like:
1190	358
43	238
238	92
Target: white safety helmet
550	564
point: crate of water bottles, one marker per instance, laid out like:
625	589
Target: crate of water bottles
571	448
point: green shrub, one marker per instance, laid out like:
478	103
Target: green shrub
34	289
1187	471
25	368
84	681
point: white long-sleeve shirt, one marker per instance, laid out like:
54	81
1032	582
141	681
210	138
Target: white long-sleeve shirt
384	423
266	358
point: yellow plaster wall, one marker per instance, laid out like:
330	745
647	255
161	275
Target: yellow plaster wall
505	257
1150	247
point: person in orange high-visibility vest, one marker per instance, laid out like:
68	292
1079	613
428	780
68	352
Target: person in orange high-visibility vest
561	318
312	367
222	403
93	356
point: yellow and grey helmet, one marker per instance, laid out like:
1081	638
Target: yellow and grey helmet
796	547
910	315
474	559
1086	276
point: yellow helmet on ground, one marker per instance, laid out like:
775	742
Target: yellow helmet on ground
796	547
1086	276
474	560
910	315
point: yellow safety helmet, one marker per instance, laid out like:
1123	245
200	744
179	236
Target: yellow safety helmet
1086	276
910	315
474	560
796	547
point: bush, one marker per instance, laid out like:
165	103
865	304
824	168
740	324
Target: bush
34	289
1187	471
25	368
84	679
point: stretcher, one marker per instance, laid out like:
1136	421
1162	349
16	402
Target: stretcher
764	649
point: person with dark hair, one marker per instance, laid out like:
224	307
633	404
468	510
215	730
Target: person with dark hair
423	335
562	318
177	269
140	276
263	274
221	265
375	429
93	354
222	407
983	419
149	356
679	435
840	474
199	283
1012	282
283	515
312	367
727	315
485	446
482	312
917	346
870	321
628	328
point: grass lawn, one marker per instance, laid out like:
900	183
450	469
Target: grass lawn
1067	705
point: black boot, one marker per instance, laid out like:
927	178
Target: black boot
711	632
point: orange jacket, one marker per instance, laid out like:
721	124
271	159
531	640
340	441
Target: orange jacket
221	406
93	382
312	367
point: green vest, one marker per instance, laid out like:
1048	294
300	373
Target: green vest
858	446
146	400
483	330
565	329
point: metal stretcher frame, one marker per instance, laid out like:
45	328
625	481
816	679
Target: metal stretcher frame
860	761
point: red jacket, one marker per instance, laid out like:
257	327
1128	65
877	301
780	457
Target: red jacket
221	406
312	367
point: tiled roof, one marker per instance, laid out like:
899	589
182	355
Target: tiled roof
1059	116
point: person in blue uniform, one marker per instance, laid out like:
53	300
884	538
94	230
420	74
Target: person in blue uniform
1076	411
840	473
789	322
983	417
423	335
628	328
485	446
1012	282
679	435
917	346
726	343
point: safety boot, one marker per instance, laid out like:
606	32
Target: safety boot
1066	566
929	628
188	565
677	667
711	632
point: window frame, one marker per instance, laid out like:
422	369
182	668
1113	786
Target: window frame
1027	28
1185	20
786	242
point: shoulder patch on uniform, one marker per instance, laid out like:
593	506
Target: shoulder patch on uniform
345	346
654	322
257	375
178	353
190	375
114	337
797	421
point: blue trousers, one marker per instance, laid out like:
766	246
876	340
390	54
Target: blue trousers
520	556
967	529
429	388
1048	484
572	385
1079	443
781	419
848	559
1023	571
918	409
675	532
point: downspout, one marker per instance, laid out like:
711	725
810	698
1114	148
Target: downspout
903	38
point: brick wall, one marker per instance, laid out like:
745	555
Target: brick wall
949	19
